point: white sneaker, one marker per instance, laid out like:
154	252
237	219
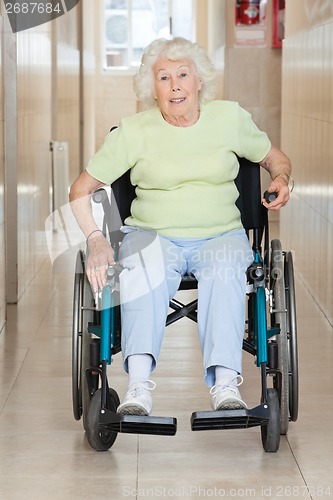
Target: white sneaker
227	397
138	399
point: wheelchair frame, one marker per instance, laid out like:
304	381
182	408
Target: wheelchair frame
271	294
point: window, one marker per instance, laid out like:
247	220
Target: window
130	25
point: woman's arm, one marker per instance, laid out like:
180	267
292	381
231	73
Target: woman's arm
278	166
100	252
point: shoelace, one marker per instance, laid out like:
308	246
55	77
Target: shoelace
139	388
216	388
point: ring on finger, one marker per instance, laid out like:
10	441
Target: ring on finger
96	269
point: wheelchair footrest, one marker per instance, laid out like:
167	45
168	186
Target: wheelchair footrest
230	419
135	424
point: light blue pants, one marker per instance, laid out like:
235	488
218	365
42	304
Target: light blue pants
154	266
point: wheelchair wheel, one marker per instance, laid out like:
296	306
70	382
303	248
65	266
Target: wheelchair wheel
100	439
292	335
279	318
83	305
270	433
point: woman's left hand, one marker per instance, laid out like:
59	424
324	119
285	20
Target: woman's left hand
280	187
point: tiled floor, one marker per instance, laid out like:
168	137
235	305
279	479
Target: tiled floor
44	453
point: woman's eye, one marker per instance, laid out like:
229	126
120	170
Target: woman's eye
164	78
183	75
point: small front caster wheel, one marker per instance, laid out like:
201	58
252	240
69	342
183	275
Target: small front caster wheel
100	439
270	433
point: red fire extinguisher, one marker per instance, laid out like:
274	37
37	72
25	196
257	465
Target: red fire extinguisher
248	11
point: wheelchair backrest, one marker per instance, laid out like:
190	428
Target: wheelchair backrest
247	182
250	195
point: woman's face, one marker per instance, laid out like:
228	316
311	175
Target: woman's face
177	91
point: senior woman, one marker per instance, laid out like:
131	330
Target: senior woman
182	155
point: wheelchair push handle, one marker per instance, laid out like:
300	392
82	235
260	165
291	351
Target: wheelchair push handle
112	274
269	197
100	196
112	270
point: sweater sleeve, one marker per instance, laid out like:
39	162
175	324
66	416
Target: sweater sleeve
111	160
253	143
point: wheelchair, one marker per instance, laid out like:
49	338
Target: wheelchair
270	331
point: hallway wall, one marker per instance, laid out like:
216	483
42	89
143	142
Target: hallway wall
307	131
114	98
34	73
252	76
48	101
2	214
88	91
66	86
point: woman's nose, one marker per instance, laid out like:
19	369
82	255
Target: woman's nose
175	85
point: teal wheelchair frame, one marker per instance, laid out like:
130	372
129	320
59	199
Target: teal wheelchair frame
270	331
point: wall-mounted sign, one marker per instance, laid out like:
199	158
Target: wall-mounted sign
250	23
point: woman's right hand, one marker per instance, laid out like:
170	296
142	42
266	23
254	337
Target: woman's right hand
100	257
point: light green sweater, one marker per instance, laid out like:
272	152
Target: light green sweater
184	177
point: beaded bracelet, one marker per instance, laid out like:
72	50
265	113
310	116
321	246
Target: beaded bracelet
290	180
92	232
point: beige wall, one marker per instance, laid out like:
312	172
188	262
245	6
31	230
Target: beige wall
66	95
307	131
115	98
253	77
88	58
2	214
34	159
48	97
48	104
302	15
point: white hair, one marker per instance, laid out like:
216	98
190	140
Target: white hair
174	50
